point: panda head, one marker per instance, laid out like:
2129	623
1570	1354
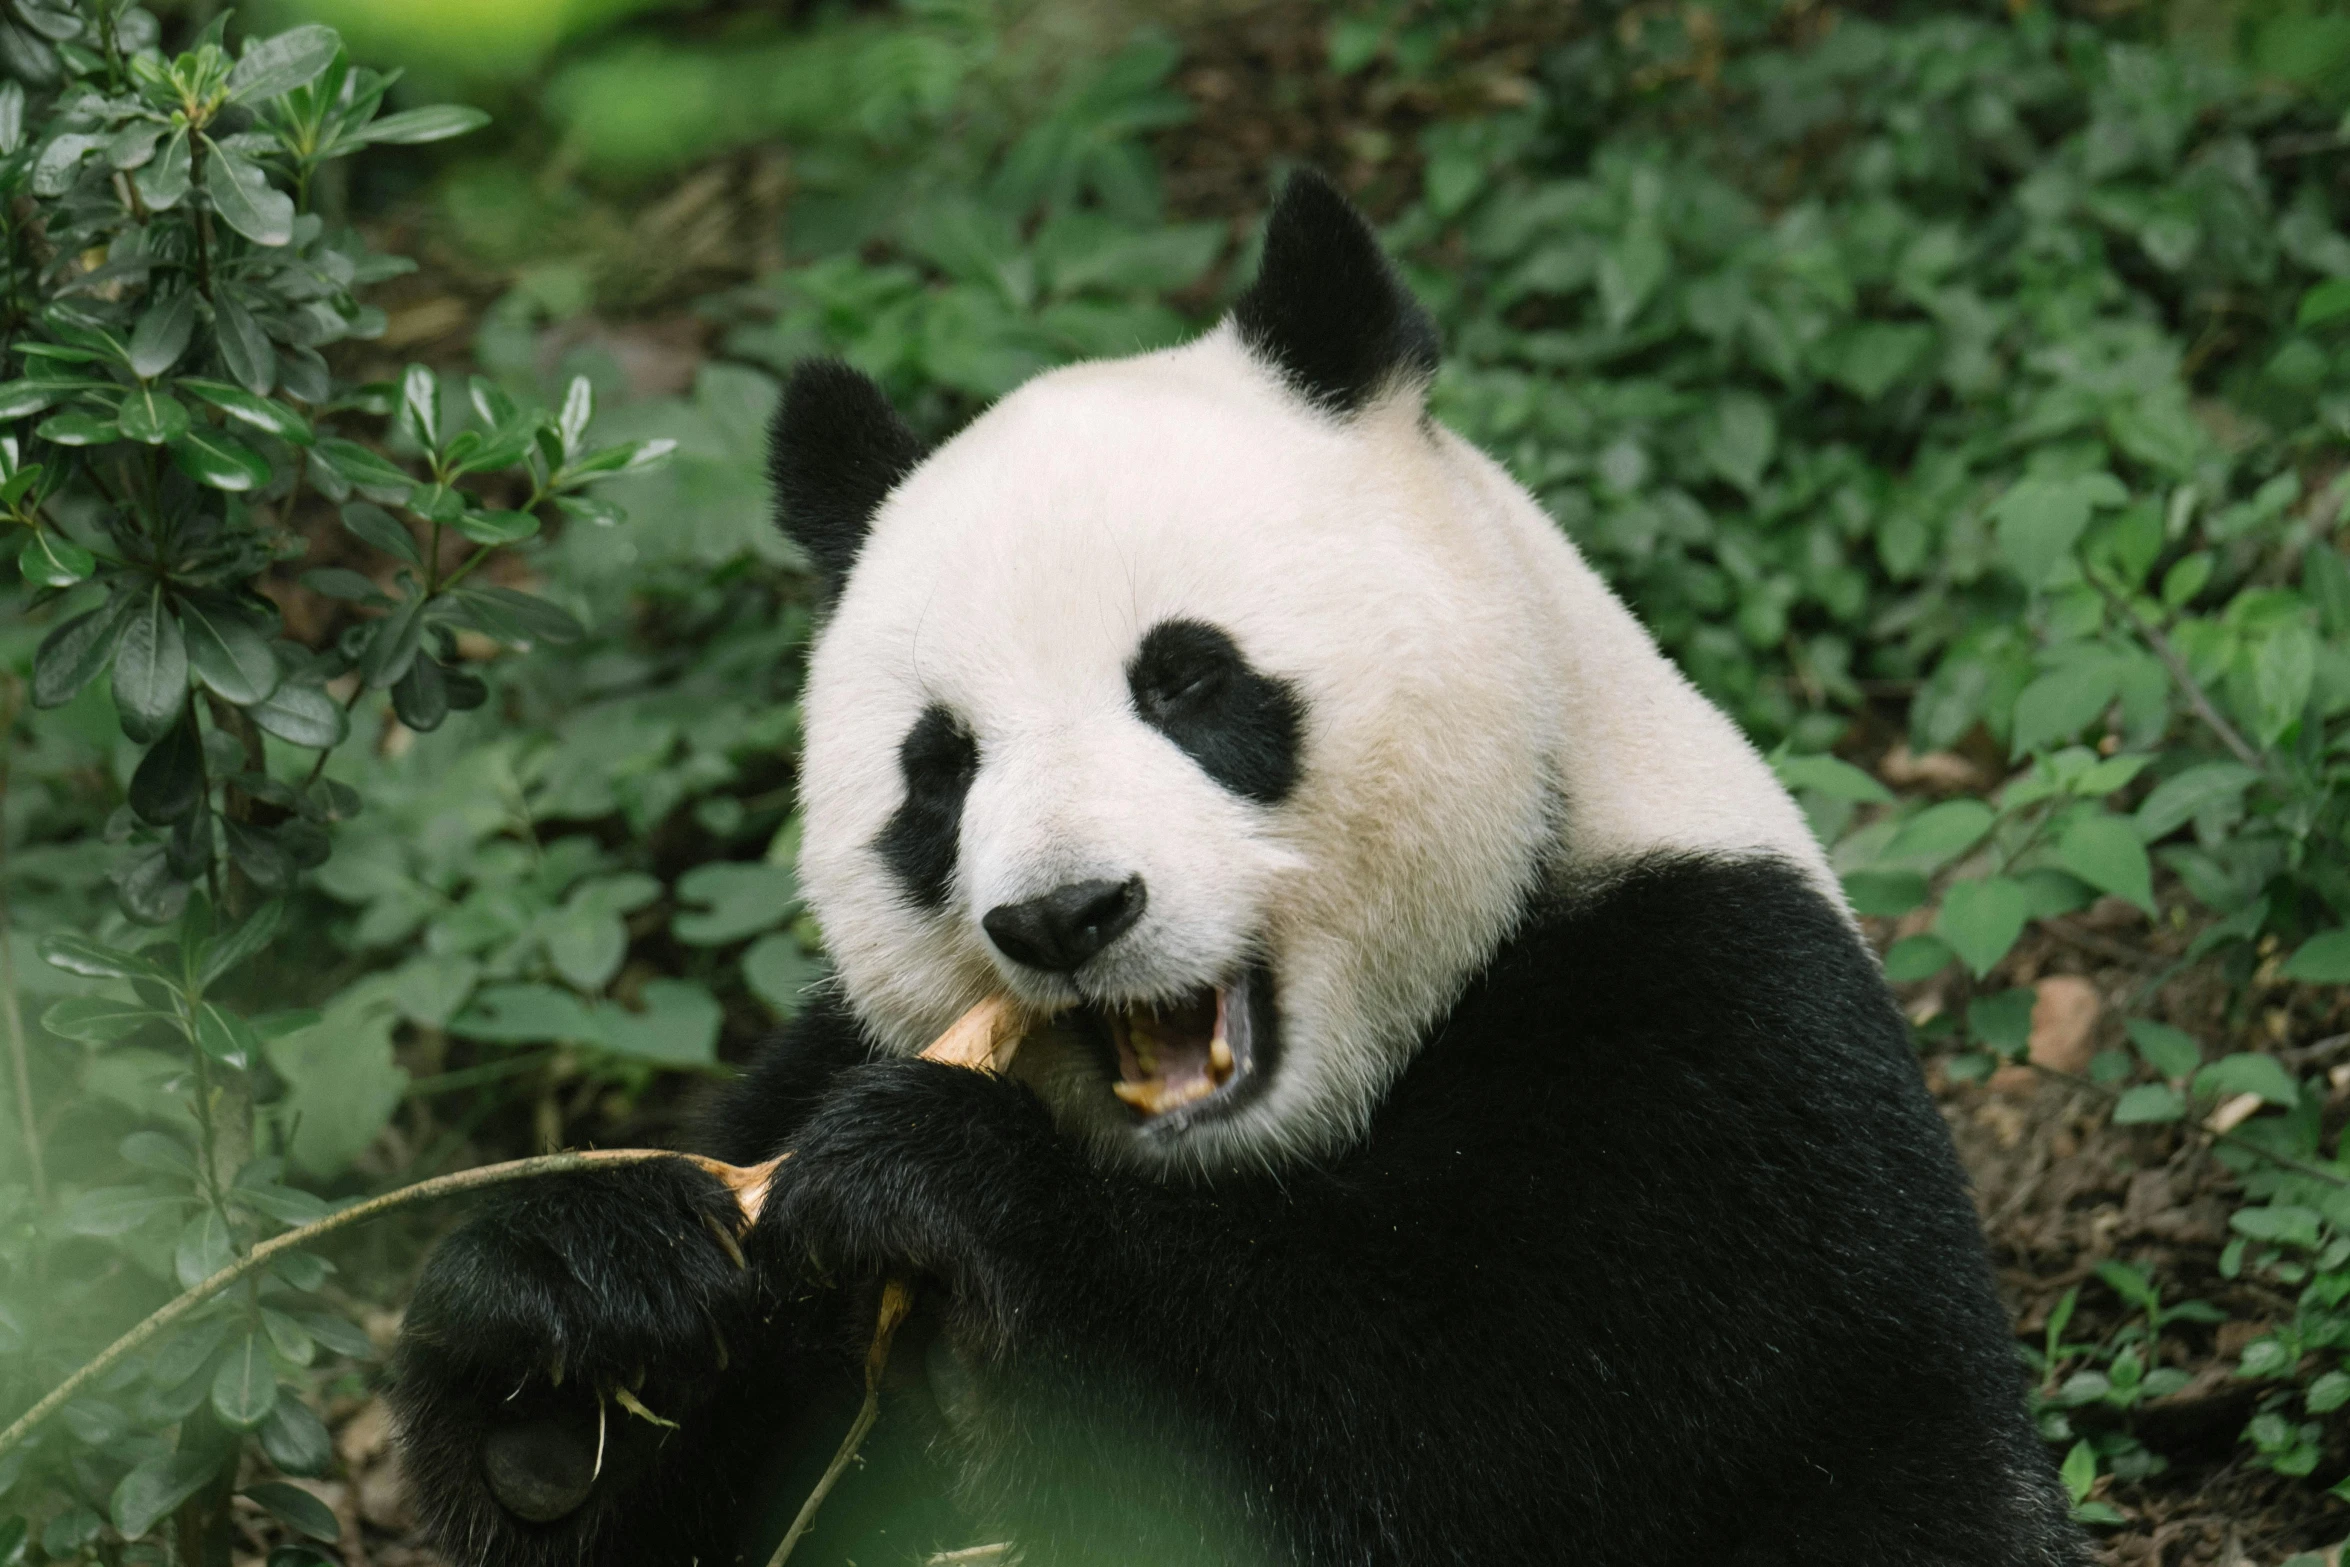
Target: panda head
1197	698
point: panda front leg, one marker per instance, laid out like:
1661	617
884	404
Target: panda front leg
562	1365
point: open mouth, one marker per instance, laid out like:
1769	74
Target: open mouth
1178	1059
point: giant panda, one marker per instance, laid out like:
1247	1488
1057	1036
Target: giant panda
1471	1129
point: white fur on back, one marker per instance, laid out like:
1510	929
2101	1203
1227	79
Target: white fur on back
1482	715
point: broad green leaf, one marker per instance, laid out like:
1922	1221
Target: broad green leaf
78	429
2247	1073
297	1509
227	652
1833	777
97	1020
497	527
1916	957
677	1025
2057	705
378	527
392	644
169	781
420	405
150	669
282	62
2106	852
2040	519
116	1210
291	1341
229	951
727	901
613	461
162	334
1939	832
244	1389
265	414
437	122
50	560
302	715
363	468
149	1493
2171	1051
225	1036
1981	920
163	180
1884	893
2327	302
150	416
778	970
244	347
220	461
95	960
2179	799
2323	959
242	195
296	1440
2147	1104
517	617
31	395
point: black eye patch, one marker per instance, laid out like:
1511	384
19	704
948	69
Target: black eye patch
937	758
1243	727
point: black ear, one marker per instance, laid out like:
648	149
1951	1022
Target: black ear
1327	310
835	451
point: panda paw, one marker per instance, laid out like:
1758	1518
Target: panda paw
918	1168
556	1345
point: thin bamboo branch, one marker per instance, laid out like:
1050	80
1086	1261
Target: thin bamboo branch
261	1255
896	1301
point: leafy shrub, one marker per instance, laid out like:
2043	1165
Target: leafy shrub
169	294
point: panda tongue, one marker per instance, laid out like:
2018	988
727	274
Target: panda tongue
1170	1057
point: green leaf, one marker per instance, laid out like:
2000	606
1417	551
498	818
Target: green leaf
115	1210
97	1020
727	901
436	122
1939	832
2106	852
76	649
2148	1104
2323	959
162	334
242	195
95	960
288	1338
523	1014
420	405
2179	799
150	669
303	716
2171	1051
30	396
226	651
150	1492
220	461
151	417
497	527
163	181
378	527
1981	920
2327	302
244	347
2055	706
283	62
244	1389
1833	777
169	782
392	644
296	1440
78	429
297	1509
50	560
778	970
2248	1073
1884	893
263	413
225	1036
677	1026
613	461
1738	440
1916	957
230	950
2040	519
517	617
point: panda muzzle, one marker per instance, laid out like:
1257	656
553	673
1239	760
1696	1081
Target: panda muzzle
1176	1054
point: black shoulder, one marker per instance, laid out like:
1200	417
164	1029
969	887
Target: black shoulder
834	452
754	1117
1326	309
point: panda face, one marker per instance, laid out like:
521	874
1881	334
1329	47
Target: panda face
1223	709
1193	717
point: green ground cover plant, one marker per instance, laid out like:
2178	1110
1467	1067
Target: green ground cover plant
1971	379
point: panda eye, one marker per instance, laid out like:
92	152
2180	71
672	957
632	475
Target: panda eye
939	755
1185	687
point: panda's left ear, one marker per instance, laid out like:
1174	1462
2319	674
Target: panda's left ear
1327	311
835	451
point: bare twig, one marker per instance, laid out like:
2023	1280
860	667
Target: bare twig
261	1255
896	1301
2188	685
2287	1161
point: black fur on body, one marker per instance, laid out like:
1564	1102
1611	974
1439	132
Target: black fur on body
1657	1255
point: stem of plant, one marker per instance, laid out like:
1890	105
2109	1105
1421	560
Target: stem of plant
896	1301
261	1255
2188	685
19	1051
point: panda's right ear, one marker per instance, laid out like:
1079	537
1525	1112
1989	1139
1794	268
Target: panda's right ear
835	451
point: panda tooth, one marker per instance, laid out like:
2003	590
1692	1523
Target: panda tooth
1220	1058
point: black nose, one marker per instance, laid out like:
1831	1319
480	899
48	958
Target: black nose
1060	930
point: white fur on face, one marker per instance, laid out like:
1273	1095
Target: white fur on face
1480	715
